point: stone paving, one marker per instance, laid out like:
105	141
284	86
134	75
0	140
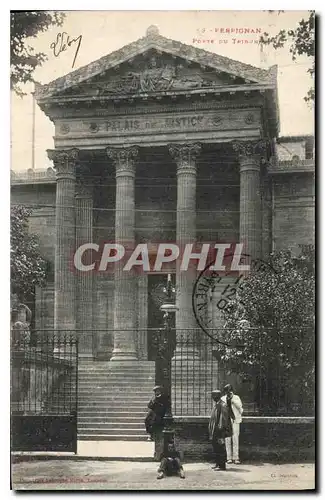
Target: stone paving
123	475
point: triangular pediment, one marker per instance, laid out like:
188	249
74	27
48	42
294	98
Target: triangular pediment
154	64
154	72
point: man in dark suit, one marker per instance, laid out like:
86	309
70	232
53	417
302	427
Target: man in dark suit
220	427
157	405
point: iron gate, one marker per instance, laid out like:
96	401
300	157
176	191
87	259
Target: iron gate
44	367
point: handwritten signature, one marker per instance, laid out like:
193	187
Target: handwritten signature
63	42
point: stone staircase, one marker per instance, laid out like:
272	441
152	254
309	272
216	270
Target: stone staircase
113	398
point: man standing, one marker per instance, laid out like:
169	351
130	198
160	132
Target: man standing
235	406
157	405
220	428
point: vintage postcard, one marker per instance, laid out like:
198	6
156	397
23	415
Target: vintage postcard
162	250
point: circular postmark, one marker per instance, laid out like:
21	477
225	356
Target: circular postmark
214	291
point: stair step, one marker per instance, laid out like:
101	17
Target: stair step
116	386
117	369
112	426
118	376
112	400
113	397
107	437
122	374
102	418
122	402
121	381
110	414
115	406
113	432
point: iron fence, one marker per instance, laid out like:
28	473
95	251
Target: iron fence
44	390
272	378
45	364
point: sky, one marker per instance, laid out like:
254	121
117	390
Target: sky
105	31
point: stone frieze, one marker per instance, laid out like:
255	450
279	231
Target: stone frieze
161	123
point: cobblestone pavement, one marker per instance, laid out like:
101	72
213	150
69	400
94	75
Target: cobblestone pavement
106	475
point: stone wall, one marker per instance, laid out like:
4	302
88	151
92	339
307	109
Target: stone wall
41	198
44	307
293	210
280	439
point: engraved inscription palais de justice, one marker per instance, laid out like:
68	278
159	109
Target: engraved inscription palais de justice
138	124
168	123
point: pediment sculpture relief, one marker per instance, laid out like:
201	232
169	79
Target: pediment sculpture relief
157	76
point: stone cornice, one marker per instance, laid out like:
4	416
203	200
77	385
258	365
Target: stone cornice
218	92
156	107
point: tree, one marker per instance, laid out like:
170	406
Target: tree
23	58
301	41
28	268
270	325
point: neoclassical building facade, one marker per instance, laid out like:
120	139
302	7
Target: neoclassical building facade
158	142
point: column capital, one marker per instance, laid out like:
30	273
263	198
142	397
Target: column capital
185	154
123	159
250	148
64	161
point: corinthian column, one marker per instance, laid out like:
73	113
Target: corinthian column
186	327
84	234
250	230
64	275
124	281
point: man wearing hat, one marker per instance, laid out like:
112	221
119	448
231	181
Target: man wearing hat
220	427
157	405
234	403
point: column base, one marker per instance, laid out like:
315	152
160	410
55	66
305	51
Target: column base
123	356
85	355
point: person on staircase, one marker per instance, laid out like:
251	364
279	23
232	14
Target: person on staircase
154	421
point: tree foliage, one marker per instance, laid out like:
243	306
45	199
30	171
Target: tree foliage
271	323
23	58
301	41
28	268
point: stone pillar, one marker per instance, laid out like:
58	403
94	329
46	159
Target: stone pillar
124	281
250	196
142	340
186	327
84	234
64	275
266	216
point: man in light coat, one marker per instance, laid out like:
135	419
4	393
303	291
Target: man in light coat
236	409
